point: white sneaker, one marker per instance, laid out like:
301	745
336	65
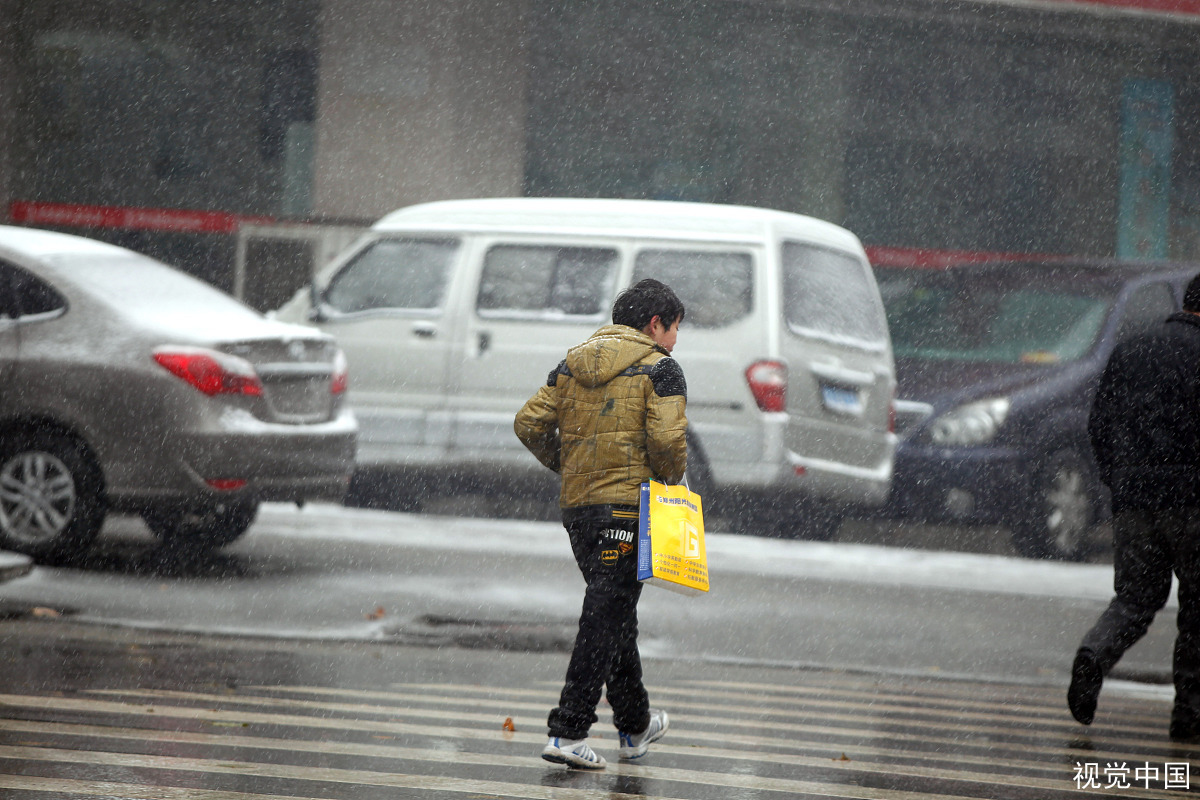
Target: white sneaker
573	753
636	745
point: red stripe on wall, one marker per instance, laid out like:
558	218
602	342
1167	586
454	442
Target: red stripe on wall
73	215
1165	6
928	257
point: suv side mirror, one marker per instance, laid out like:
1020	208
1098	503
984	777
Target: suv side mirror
315	312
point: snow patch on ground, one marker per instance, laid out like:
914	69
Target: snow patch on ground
727	553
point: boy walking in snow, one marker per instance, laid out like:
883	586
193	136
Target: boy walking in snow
610	417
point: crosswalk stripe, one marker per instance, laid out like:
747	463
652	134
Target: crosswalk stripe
1049	701
860	763
898	705
939	726
853	739
395	753
360	777
1044	698
819	706
128	791
324	775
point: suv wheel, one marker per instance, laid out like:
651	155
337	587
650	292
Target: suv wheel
51	501
201	527
1060	519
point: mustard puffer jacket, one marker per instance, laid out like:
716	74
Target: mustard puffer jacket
610	416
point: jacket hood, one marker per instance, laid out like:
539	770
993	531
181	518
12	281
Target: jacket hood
609	352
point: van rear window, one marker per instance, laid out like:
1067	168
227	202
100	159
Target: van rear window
716	287
547	281
832	294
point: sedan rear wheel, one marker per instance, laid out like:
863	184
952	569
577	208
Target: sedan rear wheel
202	527
1062	515
51	504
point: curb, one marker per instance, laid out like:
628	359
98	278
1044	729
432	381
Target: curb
14	565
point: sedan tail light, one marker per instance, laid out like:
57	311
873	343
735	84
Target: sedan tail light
768	383
341	375
210	371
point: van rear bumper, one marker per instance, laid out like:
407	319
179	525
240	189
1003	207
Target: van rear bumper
842	483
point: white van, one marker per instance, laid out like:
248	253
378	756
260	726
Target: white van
452	314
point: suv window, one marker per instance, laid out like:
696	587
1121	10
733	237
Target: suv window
25	295
394	273
547	281
830	293
717	288
1148	306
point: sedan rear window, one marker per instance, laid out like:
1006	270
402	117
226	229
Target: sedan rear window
24	295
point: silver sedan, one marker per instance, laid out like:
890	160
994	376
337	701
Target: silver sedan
126	385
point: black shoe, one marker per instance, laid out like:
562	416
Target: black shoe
1086	680
1185	724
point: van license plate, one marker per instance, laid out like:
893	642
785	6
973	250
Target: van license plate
842	401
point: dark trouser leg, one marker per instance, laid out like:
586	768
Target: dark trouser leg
605	648
1142	582
626	692
1184	529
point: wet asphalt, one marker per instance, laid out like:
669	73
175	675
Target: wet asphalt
443	701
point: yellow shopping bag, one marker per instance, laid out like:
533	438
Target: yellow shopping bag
671	539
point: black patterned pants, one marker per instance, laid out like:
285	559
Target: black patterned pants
605	652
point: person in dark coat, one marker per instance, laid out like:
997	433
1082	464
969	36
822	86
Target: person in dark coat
1145	434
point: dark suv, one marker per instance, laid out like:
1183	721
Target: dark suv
996	365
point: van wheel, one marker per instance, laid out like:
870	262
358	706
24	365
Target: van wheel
1059	521
51	496
203	527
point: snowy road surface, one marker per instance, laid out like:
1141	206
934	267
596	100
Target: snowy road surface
334	573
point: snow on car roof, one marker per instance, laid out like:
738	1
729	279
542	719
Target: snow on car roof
613	217
40	243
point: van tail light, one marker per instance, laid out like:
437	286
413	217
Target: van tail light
210	371
768	383
341	375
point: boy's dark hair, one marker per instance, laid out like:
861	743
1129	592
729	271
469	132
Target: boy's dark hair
1191	297
644	301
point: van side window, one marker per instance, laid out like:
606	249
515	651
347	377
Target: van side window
546	280
1148	306
394	273
717	288
830	293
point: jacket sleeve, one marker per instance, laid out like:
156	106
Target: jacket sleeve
666	421
536	426
1102	421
